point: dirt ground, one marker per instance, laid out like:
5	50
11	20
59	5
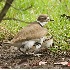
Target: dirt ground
14	59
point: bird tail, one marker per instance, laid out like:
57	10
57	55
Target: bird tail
11	44
6	44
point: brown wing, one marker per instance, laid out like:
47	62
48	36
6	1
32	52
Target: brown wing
32	31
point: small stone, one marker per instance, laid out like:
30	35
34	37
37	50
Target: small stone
63	59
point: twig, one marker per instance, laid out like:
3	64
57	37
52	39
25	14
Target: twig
15	19
19	8
64	15
5	9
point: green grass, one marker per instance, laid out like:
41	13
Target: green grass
60	28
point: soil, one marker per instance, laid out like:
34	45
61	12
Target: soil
12	58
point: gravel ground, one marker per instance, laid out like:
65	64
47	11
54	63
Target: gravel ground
14	59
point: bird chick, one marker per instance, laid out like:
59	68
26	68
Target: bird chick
48	42
33	45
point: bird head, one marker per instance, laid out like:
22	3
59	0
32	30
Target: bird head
43	19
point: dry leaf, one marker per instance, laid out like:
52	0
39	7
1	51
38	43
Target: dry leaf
42	63
62	63
69	64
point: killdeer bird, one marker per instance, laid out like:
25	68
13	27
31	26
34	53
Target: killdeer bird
48	42
34	31
31	45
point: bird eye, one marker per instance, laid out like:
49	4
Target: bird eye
48	18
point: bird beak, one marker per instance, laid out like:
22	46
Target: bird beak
51	20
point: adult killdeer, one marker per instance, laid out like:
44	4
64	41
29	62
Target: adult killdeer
34	31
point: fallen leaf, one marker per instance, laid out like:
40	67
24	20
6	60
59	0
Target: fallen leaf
42	63
25	64
57	63
62	63
69	64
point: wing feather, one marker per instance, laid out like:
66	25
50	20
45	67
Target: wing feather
32	31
